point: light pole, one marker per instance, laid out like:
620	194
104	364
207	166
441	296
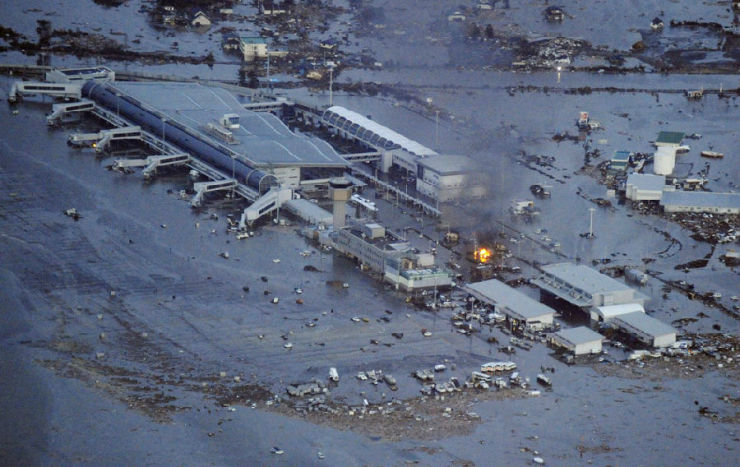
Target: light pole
233	174
559	68
331	83
591	223
436	129
164	141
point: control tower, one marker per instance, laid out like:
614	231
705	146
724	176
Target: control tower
340	190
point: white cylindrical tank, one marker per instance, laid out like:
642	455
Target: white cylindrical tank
664	161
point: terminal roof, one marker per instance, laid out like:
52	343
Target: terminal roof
261	137
372	131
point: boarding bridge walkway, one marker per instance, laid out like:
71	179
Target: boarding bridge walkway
202	188
158	144
266	204
59	110
371	156
67	91
151	163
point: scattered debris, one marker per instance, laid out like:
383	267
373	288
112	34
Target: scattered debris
72	212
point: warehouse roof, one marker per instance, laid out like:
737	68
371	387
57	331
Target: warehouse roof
579	335
448	164
645	324
612	311
670	137
646	181
701	199
498	293
584	278
261	137
372	132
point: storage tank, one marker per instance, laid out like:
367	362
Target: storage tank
636	276
664	160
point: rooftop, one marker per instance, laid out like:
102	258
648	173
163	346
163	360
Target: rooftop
253	40
84	70
670	137
646	324
261	137
701	199
579	335
646	181
610	311
584	278
373	132
498	293
621	156
449	164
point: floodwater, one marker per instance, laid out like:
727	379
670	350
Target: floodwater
180	315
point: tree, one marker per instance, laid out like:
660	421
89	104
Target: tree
474	31
489	32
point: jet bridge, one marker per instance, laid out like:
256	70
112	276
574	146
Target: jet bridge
151	163
206	187
67	91
58	111
264	205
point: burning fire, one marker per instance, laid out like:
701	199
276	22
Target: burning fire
482	255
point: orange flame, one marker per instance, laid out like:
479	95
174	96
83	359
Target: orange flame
482	255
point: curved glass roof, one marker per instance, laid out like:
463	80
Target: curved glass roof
372	132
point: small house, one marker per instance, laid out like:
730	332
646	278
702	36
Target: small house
199	19
230	41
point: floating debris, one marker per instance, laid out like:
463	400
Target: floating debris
72	212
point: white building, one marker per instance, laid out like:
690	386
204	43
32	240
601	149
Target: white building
609	312
646	329
580	340
252	48
518	307
445	178
199	19
644	187
79	75
664	160
584	287
701	201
